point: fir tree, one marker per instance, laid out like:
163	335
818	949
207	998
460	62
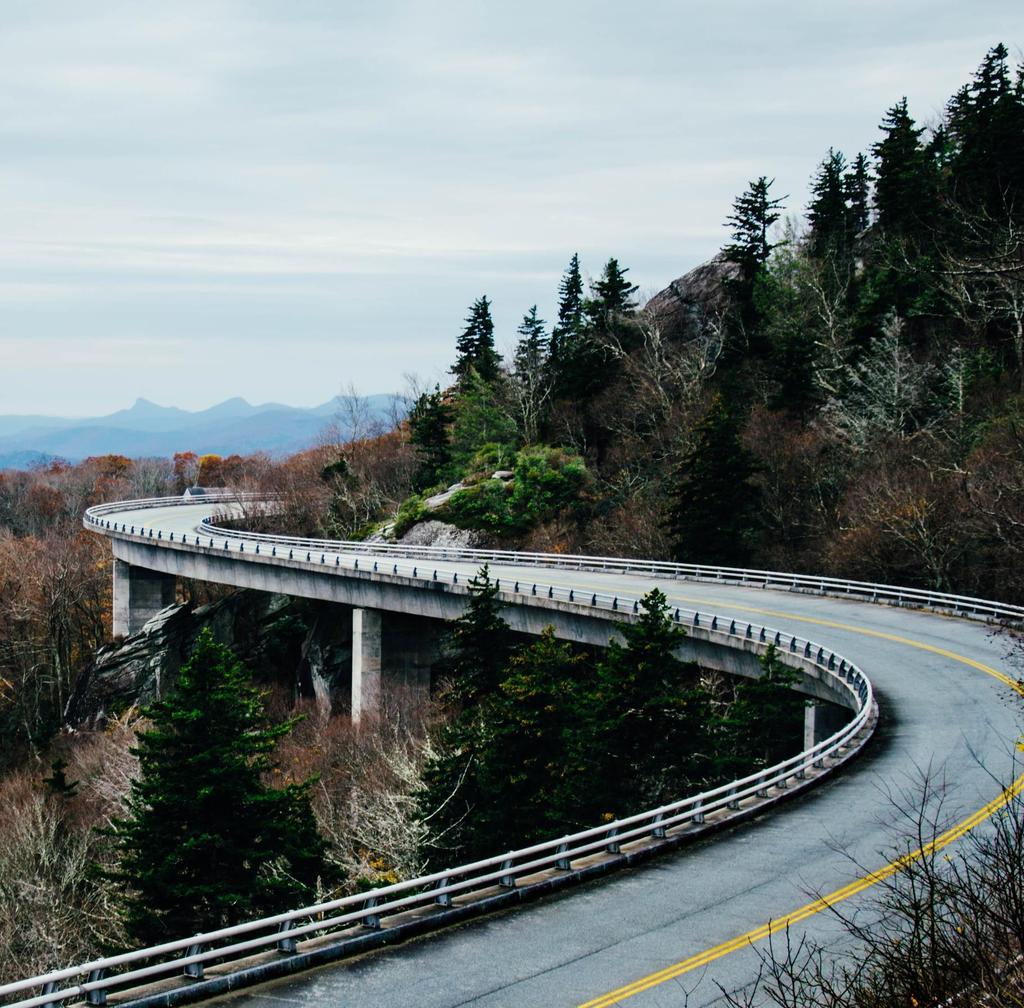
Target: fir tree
503	775
206	843
429	422
905	180
986	121
828	211
714	517
753	215
857	190
479	643
570	304
475	347
612	296
648	717
532	348
531	380
762	725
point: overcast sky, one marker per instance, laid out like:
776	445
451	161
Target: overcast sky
275	199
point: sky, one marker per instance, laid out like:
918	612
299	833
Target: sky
283	200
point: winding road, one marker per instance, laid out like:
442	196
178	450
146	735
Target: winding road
684	926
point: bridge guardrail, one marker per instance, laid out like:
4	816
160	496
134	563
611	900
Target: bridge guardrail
93	980
283	931
963	605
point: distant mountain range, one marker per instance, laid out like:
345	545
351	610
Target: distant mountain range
149	430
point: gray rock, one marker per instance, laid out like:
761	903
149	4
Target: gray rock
686	306
438	533
301	644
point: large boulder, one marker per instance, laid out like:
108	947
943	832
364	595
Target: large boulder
687	306
299	644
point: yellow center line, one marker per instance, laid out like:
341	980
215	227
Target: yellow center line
852	888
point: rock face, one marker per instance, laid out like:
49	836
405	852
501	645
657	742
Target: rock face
438	533
303	645
686	306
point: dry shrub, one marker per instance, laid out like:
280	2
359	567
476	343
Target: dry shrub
53	909
364	794
948	929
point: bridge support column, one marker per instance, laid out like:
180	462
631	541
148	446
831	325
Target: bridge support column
139	594
366	663
821	720
810	724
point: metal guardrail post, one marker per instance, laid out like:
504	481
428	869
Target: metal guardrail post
443	899
286	944
371	921
97	996
194	970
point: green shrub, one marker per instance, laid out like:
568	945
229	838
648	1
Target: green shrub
546	481
409	512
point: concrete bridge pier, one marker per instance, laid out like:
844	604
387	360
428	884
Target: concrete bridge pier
139	594
392	657
366	663
822	720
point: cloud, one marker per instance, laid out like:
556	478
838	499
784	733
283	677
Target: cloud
330	178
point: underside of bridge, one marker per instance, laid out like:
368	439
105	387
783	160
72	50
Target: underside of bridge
393	648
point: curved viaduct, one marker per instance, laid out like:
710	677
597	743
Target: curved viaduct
680	927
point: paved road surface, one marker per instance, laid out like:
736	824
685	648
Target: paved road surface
938	712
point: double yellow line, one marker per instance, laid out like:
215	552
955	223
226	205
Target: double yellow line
853	888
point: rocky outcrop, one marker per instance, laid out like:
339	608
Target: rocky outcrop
439	533
303	645
687	306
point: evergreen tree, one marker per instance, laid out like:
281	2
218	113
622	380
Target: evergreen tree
479	644
475	347
905	179
986	121
205	842
828	212
429	421
503	776
612	296
857	190
531	381
754	213
532	348
570	303
648	716
763	724
714	517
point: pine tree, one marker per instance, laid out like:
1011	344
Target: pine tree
986	122
753	215
429	421
570	303
205	842
763	724
532	348
612	296
857	190
828	211
648	716
531	380
479	643
714	518
475	347
905	178
503	775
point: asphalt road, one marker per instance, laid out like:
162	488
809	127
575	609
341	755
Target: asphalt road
940	712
